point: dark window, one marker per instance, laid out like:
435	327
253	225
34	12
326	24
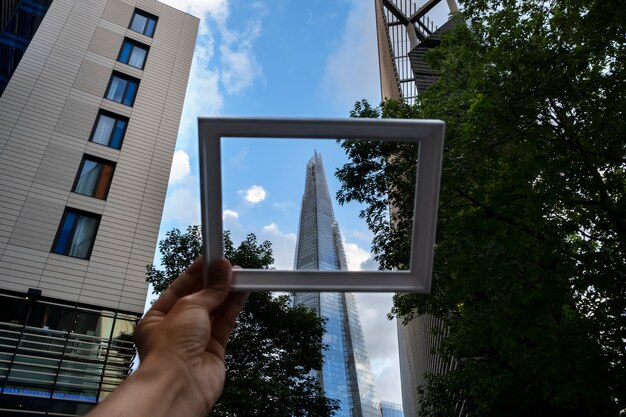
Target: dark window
76	234
13	309
109	129
122	89
94	177
133	53
143	22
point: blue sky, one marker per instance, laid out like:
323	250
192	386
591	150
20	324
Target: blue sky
282	58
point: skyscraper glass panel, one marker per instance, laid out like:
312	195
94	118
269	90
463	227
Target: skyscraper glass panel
346	374
19	20
391	410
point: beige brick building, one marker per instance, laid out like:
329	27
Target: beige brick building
88	124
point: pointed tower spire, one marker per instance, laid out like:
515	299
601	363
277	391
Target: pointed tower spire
346	374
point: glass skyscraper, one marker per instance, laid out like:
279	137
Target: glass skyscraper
346	374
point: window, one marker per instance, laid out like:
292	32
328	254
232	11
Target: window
109	129
76	234
133	53
143	22
94	177
122	89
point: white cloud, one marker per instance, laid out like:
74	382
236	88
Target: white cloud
284	205
212	74
217	9
182	208
271	228
283	245
355	256
230	214
381	339
380	334
254	194
352	68
358	258
239	68
180	167
362	235
203	94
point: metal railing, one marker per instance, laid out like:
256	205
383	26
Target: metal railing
60	364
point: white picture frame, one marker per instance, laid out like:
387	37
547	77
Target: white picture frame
428	134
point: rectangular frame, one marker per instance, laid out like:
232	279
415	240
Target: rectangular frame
427	133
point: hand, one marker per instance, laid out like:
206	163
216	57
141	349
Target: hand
181	342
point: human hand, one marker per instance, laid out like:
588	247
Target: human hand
181	342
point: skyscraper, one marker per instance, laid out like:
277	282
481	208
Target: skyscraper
388	409
91	97
404	34
346	374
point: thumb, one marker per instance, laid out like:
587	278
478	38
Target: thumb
217	287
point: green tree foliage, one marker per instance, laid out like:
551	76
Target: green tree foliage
531	241
274	349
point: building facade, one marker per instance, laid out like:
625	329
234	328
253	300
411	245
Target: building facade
346	373
405	32
91	97
388	409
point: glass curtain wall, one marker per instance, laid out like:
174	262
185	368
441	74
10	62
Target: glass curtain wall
61	358
346	374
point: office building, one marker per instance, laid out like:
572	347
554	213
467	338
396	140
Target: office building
388	409
405	32
346	374
91	97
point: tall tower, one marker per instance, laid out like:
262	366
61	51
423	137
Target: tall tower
346	374
405	33
89	112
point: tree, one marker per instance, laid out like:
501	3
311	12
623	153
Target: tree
531	239
274	349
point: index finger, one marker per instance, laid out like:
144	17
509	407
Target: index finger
182	286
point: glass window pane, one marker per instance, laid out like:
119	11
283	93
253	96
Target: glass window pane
104	181
13	309
103	130
88	177
137	57
138	23
66	231
118	135
86	322
150	27
59	318
84	235
127	47
124	329
116	89
131	90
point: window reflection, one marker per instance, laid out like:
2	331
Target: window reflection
63	352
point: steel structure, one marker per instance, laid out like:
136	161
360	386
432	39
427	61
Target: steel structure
405	31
